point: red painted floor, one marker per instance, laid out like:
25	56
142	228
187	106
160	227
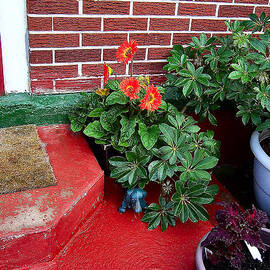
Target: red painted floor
110	240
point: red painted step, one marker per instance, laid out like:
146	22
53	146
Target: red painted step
36	224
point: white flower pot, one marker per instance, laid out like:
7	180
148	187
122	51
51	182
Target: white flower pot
261	171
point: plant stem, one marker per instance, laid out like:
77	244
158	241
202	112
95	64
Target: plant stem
184	109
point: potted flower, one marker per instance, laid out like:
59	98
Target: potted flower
234	68
239	241
156	143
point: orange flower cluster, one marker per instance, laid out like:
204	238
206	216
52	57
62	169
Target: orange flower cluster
131	86
152	99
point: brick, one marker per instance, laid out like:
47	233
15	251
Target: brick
234	11
148	68
41	57
153	8
160	24
97	69
184	38
41	86
208	25
54	72
105	7
151	39
157	80
84	55
103	39
77	85
52	6
125	24
109	54
158	53
39	23
53	40
189	9
259	10
76	24
257	2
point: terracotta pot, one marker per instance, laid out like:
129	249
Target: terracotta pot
265	234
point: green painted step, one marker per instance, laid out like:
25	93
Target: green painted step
24	108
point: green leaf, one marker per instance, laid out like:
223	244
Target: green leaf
96	112
187	88
149	135
235	75
76	126
94	130
118	161
106	122
116	98
128	127
258	45
154	223
164	223
113	85
150	216
207	163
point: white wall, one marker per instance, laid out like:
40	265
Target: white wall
14	42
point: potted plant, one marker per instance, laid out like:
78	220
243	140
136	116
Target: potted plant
234	68
239	241
156	143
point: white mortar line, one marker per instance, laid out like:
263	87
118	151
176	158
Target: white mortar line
189	26
217	9
171	41
146	54
131	8
122	32
80	39
101	25
102	55
53	81
80	6
148	25
53	56
80	70
95	63
176	8
127	16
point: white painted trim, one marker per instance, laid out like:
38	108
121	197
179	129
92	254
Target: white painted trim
14	41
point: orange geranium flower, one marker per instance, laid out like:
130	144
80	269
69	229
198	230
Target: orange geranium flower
126	51
130	87
107	71
152	99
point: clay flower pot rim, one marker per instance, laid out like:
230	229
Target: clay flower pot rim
199	251
257	150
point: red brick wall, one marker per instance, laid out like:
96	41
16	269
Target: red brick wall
70	39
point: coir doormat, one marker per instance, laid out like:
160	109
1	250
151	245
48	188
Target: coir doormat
24	162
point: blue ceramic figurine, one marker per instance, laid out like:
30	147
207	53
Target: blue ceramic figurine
134	198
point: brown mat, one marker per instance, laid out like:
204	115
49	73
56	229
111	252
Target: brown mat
24	163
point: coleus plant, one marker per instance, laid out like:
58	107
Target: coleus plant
155	141
226	240
233	68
